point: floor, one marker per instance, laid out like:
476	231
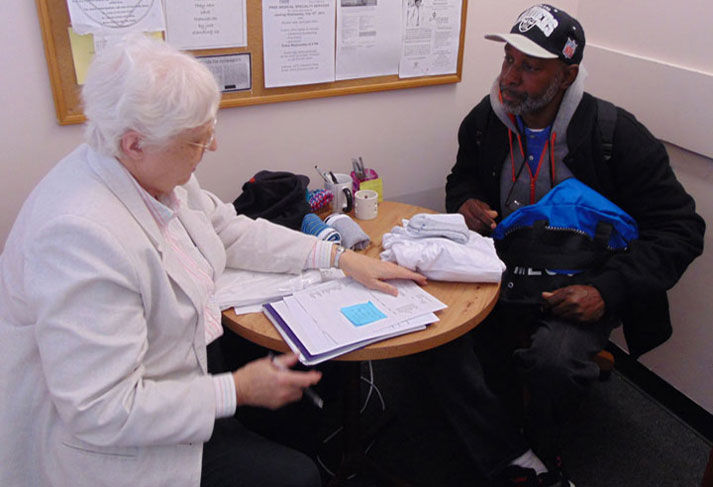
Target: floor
621	437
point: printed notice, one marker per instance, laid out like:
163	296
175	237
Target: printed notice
431	37
368	38
205	24
298	41
232	71
85	46
115	17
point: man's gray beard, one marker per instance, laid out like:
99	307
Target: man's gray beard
530	105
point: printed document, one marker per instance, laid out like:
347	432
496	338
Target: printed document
115	17
206	24
431	36
342	315
238	287
279	314
298	41
368	38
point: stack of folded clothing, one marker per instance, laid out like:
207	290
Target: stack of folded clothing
441	247
313	225
353	237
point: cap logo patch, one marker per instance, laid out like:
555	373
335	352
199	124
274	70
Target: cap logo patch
569	48
537	16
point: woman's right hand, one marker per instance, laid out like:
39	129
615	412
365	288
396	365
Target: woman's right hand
374	273
269	382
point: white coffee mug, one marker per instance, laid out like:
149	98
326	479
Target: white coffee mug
366	204
342	191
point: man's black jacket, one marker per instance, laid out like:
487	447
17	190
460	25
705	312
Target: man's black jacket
638	178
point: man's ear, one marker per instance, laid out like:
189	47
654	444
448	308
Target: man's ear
130	144
570	74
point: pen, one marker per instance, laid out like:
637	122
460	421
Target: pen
334	178
361	174
308	391
321	173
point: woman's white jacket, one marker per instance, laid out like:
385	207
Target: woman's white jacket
102	351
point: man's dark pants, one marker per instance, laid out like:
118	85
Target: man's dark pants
472	380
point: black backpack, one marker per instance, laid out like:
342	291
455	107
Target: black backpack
277	196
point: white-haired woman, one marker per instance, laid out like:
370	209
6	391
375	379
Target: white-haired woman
106	306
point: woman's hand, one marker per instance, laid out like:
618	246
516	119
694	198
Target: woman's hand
372	272
272	385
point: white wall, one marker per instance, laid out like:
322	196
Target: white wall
409	136
655	62
685	360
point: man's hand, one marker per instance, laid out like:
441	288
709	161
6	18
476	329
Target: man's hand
578	303
478	216
272	385
373	272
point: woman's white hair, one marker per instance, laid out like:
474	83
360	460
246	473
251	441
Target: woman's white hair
148	86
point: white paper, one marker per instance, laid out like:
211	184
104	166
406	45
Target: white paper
115	17
206	24
431	36
318	309
368	38
232	71
283	310
298	41
321	337
237	287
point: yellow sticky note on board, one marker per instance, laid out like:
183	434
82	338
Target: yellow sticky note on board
83	50
375	185
82	47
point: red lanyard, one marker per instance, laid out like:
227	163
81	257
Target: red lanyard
533	177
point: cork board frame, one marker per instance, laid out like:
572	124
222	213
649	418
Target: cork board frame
54	23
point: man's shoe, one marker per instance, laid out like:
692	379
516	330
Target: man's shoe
553	478
515	476
556	473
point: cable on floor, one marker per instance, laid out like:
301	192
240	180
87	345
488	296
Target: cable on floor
372	388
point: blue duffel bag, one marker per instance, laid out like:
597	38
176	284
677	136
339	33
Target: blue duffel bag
551	243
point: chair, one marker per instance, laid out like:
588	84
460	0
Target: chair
708	474
605	361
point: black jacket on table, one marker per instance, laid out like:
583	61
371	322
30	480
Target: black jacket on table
638	178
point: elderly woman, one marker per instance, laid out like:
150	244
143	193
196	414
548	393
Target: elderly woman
106	305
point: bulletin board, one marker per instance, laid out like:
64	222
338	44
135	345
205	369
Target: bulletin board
54	22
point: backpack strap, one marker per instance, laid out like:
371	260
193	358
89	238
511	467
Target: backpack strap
606	120
482	119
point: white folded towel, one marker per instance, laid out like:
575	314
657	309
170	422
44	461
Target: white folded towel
447	225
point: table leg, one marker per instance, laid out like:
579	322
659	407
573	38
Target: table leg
354	460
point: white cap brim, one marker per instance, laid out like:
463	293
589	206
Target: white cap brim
522	44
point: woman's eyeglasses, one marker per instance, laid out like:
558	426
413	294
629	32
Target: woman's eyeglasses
211	139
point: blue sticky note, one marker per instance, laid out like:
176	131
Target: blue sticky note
362	314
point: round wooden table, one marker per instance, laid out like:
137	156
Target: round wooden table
468	303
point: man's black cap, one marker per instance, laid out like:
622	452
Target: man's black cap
544	31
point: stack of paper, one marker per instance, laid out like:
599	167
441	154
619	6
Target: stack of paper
339	316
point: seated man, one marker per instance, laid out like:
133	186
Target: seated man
536	128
